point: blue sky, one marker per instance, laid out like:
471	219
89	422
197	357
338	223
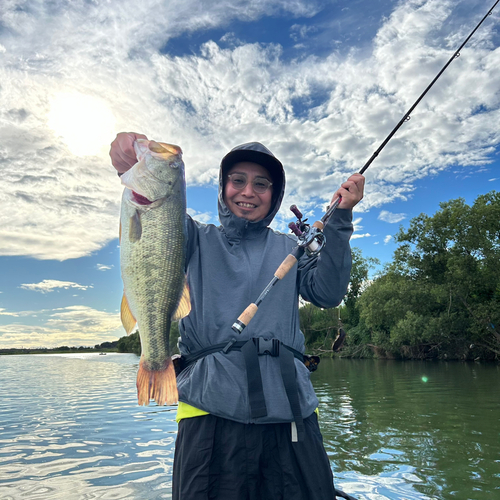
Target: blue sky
321	83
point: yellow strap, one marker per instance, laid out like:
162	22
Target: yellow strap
187	411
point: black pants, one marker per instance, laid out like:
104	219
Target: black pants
218	459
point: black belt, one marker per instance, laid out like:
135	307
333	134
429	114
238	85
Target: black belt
251	350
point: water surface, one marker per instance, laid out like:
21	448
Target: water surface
70	427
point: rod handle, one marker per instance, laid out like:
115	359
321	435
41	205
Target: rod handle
246	316
285	266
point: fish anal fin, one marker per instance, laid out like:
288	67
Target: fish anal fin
128	320
160	385
184	306
135	230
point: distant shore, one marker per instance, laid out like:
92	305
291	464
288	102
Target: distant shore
63	349
8	352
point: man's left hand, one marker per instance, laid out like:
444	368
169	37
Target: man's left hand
351	191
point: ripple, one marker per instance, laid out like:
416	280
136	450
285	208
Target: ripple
387	434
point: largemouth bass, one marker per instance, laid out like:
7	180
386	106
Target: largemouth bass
152	256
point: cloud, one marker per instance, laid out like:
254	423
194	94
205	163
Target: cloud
491	180
301	31
204	217
387	216
72	326
103	267
387	239
356	236
47	286
323	116
4	312
358	227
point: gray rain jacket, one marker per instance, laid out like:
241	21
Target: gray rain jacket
228	267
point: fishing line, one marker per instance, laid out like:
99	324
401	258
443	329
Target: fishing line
311	238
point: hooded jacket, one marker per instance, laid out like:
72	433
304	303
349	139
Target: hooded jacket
228	266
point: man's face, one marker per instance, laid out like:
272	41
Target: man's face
246	203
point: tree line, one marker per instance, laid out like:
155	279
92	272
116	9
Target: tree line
438	298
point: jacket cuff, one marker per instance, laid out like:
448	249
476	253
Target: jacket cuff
341	217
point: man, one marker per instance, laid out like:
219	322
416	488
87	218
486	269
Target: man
248	426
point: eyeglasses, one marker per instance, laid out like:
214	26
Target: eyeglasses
260	184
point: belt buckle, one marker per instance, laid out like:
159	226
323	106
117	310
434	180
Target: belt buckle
268	346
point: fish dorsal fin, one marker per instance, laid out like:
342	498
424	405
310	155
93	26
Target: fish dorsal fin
128	320
184	307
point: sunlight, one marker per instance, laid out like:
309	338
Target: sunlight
85	123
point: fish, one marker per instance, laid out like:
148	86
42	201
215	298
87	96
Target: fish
152	260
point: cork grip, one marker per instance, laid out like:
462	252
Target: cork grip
248	314
285	266
319	225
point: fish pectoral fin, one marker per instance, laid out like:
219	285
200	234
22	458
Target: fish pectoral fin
184	306
128	320
135	230
120	233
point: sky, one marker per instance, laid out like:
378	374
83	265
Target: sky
321	83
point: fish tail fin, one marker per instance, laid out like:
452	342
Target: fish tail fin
160	385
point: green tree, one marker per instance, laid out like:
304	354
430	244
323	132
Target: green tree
132	342
320	326
359	280
441	294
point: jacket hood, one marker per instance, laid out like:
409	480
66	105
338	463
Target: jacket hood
257	153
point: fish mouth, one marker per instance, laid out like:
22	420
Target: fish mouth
140	200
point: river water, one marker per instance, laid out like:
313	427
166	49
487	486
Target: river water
70	427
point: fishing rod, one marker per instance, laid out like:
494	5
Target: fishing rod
311	238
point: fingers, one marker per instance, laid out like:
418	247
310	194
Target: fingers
122	151
351	191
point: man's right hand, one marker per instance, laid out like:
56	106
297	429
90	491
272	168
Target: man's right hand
122	150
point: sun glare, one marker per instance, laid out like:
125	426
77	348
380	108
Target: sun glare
85	123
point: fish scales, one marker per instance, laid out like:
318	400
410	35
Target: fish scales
152	249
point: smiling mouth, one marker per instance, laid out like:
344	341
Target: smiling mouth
246	205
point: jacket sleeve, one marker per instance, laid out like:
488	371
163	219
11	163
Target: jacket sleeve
192	238
323	279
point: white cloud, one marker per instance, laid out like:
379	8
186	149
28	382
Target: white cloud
57	205
103	267
390	217
376	242
203	217
4	312
491	180
47	286
72	326
356	236
387	239
301	31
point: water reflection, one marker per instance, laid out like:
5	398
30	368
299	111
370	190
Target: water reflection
380	419
75	431
70	427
